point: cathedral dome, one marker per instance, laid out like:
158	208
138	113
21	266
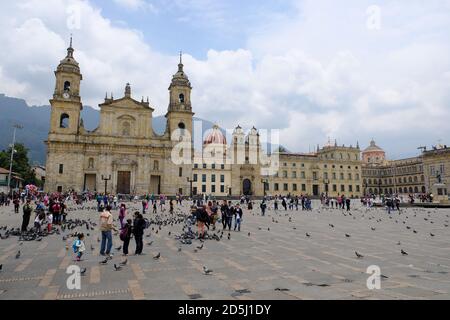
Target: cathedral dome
215	136
373	147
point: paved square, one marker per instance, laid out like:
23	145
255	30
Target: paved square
280	263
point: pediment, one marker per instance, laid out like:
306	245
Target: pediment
127	103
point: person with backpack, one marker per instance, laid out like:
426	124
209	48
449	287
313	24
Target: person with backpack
106	227
27	209
125	235
139	225
79	247
238	213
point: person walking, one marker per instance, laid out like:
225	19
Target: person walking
138	232
106	227
263	207
27	209
238	217
347	203
122	215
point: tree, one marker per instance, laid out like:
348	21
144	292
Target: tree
21	164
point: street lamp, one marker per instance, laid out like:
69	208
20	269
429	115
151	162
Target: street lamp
265	182
326	182
16	126
190	181
106	181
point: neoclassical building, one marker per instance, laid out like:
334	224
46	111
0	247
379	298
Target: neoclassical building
124	155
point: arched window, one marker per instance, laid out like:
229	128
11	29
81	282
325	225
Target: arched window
66	86
64	121
416	190
126	128
410	179
181	98
410	190
423	189
91	163
415	178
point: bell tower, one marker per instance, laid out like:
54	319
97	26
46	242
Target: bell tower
66	103
179	115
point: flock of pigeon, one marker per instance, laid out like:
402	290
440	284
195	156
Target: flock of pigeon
72	227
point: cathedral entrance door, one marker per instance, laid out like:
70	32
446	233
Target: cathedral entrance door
247	187
123	182
155	184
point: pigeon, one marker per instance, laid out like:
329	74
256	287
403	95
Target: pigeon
331	225
404	252
206	270
308	235
249	234
18	254
104	261
414	231
268	229
149	243
179	249
116	267
170	233
384	277
157	256
408	227
431	234
200	247
118	248
398	243
83	271
92	248
98	239
229	236
347	235
359	255
124	263
373	229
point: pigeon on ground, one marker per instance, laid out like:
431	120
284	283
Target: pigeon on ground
404	252
18	254
118	248
179	249
124	263
414	231
331	225
104	261
398	243
200	247
308	235
249	234
373	229
157	256
431	234
92	248
149	243
359	255
116	267
83	271
206	270
347	235
98	239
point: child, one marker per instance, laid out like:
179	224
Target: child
49	221
39	221
79	247
125	235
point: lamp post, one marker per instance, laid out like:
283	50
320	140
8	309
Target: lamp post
264	182
190	181
106	181
326	182
16	126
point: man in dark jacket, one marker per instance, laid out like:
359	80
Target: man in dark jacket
138	231
27	209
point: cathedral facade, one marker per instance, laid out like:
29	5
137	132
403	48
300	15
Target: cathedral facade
123	155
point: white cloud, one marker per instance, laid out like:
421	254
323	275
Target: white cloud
136	5
319	73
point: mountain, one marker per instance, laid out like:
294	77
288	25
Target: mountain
35	121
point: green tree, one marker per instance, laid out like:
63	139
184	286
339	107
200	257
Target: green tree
21	164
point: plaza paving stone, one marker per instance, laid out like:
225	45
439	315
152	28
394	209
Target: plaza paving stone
322	266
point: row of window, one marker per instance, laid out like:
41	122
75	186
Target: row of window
334	187
325	166
213	189
213	178
390	171
397	190
397	180
316	175
213	166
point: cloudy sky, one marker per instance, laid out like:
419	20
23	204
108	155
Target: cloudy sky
350	70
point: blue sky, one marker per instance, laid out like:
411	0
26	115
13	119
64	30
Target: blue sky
313	69
195	26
